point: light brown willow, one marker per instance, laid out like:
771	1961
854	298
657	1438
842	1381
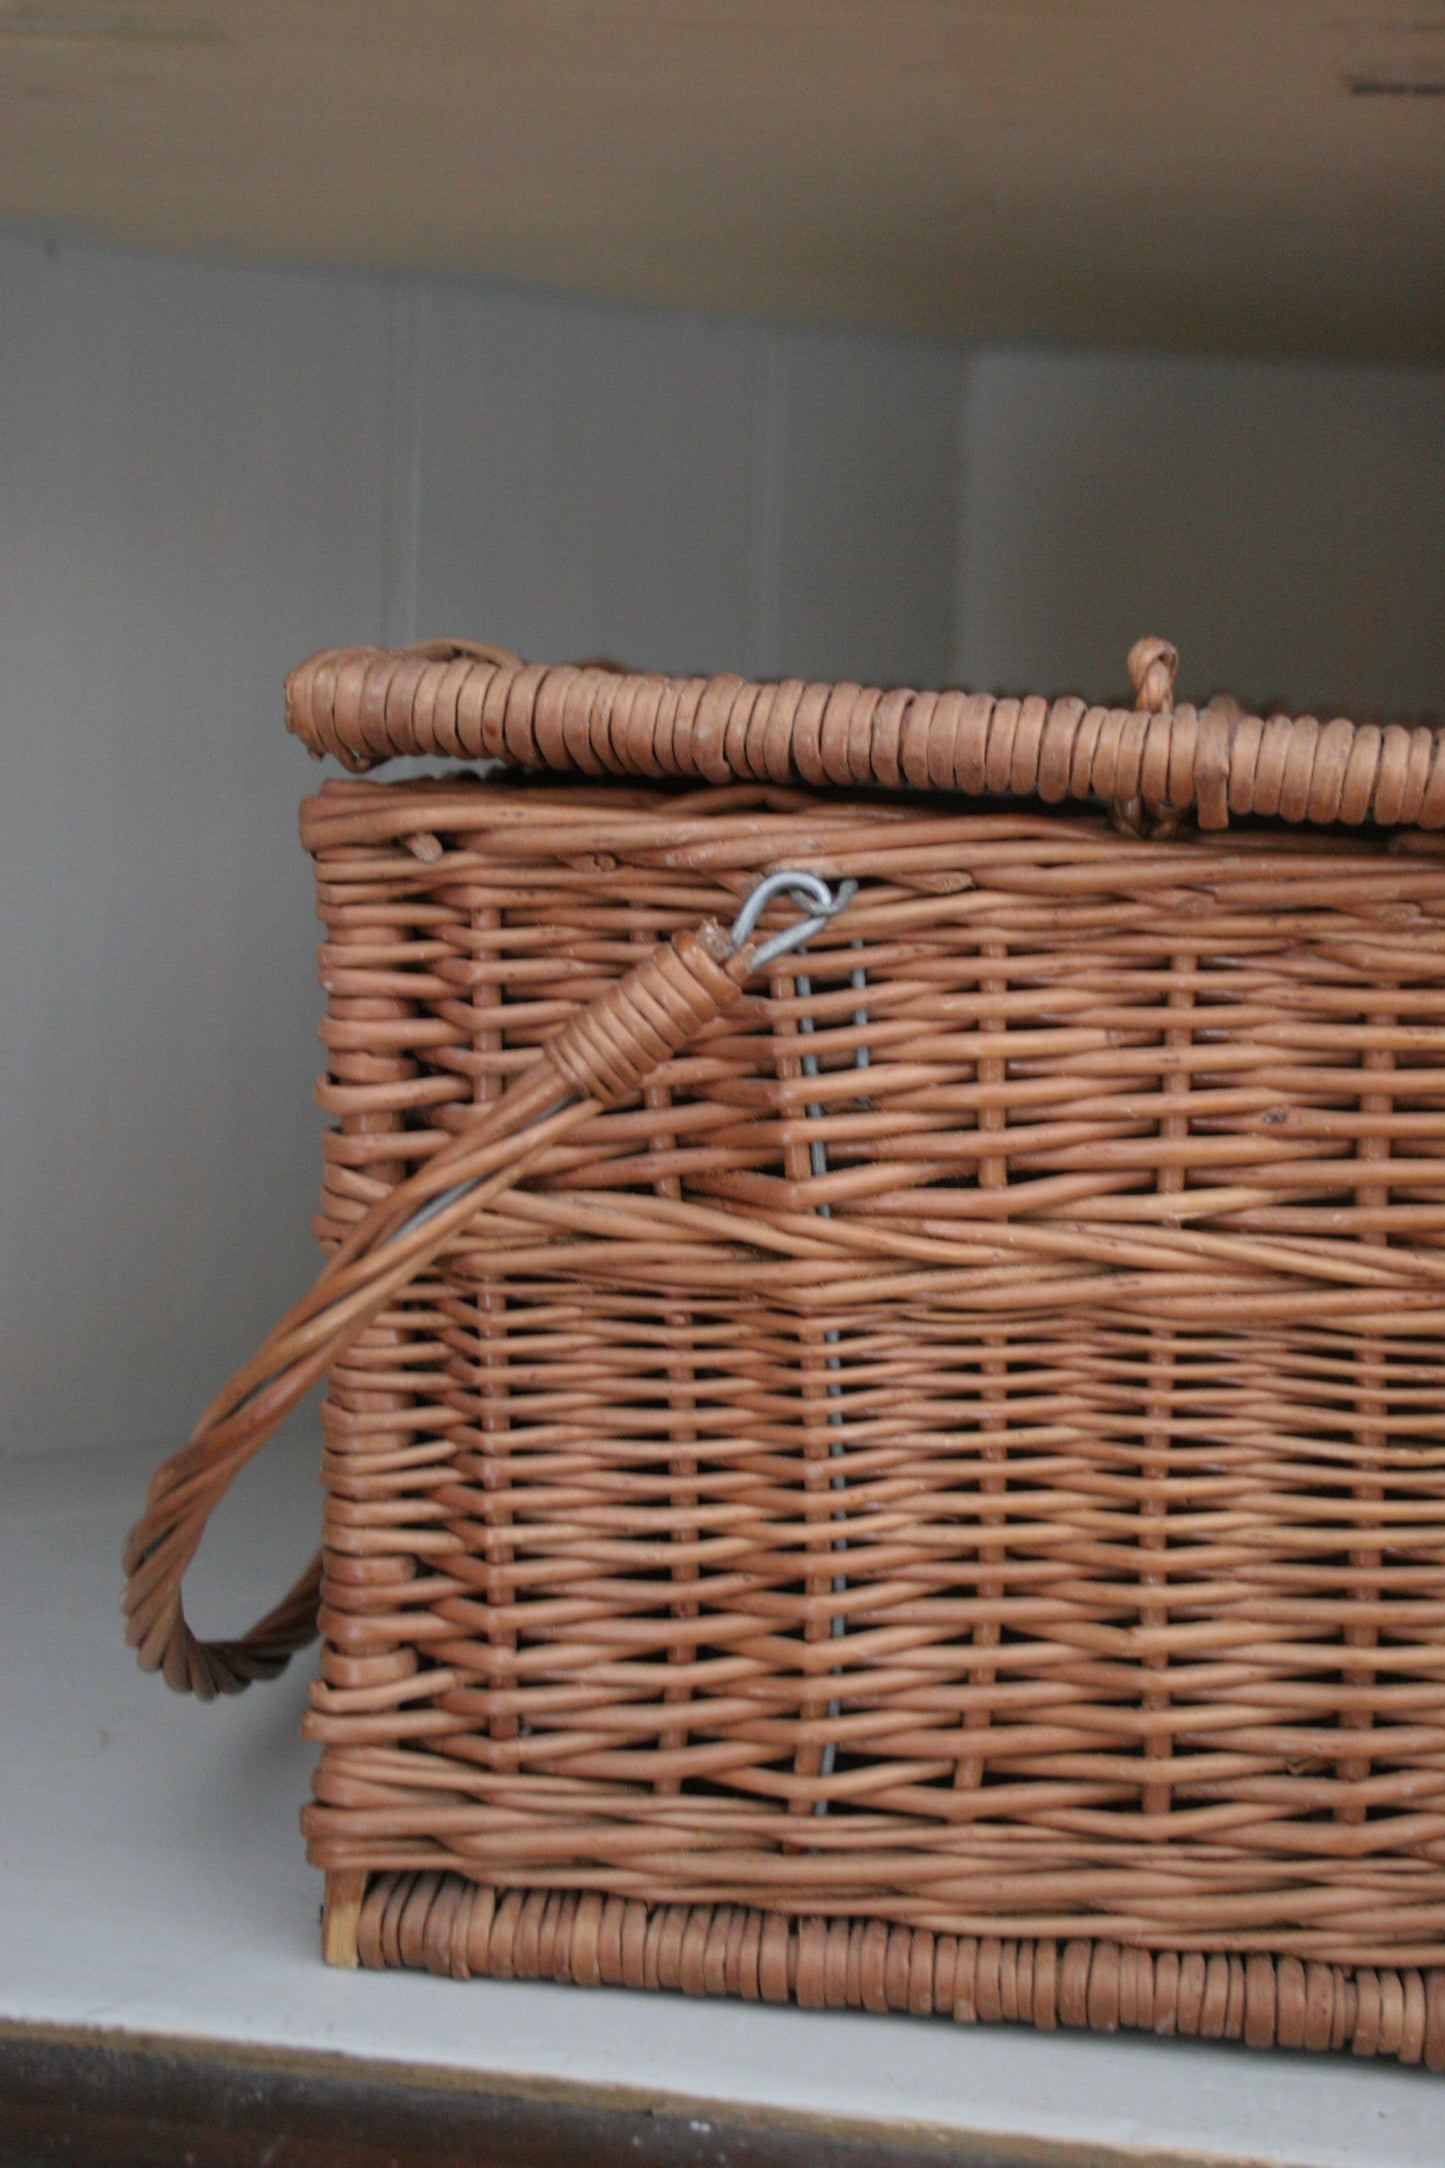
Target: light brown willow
931	1494
446	1924
459	702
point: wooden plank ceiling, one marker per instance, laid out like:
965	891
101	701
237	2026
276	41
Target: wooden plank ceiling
1250	175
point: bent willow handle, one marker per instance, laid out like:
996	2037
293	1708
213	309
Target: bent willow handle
599	1059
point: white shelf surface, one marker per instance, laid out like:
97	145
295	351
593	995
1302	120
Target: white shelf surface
152	1879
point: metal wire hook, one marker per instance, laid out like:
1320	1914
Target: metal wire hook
805	889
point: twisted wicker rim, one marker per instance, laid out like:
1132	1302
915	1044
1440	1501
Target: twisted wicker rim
457	700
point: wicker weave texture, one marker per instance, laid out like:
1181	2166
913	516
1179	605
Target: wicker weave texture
964	1450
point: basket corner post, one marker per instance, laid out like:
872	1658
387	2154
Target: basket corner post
341	1917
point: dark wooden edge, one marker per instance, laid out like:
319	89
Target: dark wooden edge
99	2099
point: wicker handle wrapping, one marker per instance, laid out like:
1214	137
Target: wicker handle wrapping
598	1059
1155	760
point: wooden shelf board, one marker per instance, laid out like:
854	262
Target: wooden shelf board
118	2101
1205	174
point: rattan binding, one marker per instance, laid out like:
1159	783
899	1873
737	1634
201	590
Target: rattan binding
445	1924
367	705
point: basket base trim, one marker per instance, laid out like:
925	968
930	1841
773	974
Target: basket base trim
443	1923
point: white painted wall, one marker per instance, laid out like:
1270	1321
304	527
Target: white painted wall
1283	523
205	472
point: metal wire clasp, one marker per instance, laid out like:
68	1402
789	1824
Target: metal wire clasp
814	898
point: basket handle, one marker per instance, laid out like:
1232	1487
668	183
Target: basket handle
599	1059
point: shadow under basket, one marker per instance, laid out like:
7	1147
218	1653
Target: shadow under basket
893	1457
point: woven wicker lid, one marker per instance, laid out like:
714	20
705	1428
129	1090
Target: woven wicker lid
458	700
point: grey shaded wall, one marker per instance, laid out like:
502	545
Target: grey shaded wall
205	472
1283	523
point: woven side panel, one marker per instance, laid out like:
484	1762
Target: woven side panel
445	1924
366	705
965	1450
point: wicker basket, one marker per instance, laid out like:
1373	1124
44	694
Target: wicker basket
893	1457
